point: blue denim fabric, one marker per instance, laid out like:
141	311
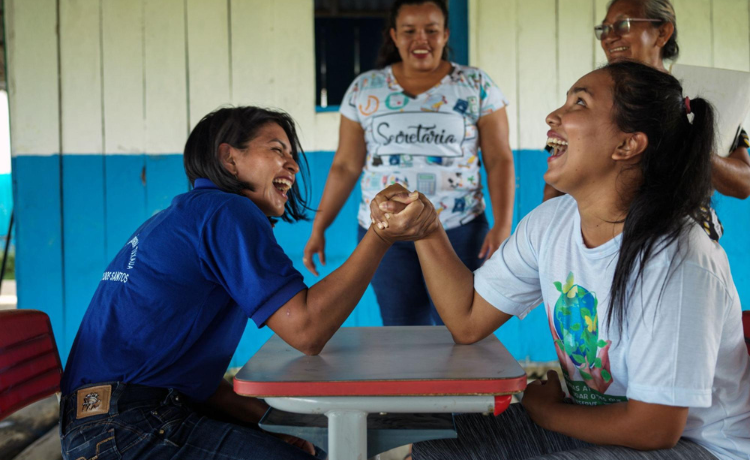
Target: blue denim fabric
398	283
152	423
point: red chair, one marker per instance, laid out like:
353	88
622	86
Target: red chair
30	367
746	326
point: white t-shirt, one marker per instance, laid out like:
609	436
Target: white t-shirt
428	142
681	344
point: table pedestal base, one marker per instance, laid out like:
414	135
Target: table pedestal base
347	435
347	415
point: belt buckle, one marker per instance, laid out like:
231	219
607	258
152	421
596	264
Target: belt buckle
93	401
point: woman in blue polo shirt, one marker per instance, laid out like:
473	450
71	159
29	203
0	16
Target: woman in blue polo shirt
148	360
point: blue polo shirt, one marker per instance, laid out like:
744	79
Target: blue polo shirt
170	309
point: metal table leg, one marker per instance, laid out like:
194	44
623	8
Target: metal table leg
347	435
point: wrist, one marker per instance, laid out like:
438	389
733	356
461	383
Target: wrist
318	228
545	414
381	239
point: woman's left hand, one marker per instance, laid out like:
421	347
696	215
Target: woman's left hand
541	395
493	240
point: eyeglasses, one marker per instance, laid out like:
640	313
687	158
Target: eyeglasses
619	27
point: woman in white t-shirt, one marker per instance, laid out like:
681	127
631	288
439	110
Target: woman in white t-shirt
420	120
642	308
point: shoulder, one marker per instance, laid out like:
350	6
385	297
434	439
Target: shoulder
371	79
546	218
561	207
698	249
473	75
696	256
217	205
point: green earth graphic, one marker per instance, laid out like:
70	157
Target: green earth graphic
576	323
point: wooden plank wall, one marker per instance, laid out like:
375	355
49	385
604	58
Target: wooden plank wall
102	97
536	49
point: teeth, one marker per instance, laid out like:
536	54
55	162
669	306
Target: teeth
421	52
622	48
282	184
554	141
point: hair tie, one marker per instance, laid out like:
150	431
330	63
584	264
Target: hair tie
687	105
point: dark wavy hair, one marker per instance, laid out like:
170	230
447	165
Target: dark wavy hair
675	168
237	126
388	53
664	12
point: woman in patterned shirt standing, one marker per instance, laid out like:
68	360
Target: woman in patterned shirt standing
420	120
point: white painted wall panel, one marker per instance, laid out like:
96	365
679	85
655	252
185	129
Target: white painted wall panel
537	64
731	44
327	131
575	50
123	75
253	39
81	77
600	11
165	76
136	75
494	49
272	49
209	70
694	31
31	31
295	64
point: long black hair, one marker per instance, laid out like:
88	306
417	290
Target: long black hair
388	53
237	126
675	168
664	12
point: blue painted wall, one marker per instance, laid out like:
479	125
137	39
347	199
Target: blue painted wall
68	230
6	203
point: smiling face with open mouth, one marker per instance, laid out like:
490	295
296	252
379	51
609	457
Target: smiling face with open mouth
642	43
267	165
583	137
420	36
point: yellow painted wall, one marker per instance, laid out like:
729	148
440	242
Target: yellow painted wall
536	49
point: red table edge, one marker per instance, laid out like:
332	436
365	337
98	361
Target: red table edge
381	388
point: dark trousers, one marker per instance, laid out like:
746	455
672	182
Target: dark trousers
158	424
513	435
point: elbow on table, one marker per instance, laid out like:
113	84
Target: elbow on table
305	341
311	347
312	350
466	336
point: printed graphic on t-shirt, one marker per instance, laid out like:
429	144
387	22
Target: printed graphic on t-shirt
429	141
584	357
433	134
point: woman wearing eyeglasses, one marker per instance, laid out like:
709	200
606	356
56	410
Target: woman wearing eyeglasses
646	31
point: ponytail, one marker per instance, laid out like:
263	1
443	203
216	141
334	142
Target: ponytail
675	169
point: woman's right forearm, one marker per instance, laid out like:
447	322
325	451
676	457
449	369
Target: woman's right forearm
450	283
340	183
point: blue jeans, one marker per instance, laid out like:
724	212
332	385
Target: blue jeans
398	282
155	423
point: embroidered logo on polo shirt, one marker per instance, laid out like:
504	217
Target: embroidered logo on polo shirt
93	401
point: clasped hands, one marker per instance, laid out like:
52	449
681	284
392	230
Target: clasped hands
398	215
